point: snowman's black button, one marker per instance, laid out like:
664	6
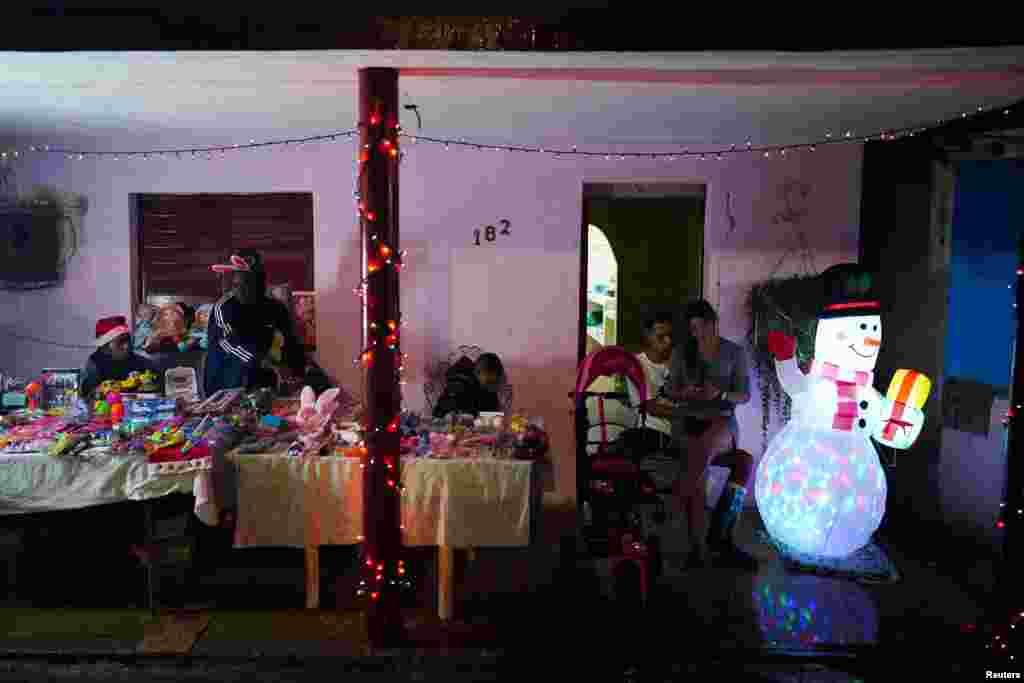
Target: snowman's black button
863	423
863	404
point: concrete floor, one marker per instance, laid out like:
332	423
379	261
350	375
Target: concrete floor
522	601
525	598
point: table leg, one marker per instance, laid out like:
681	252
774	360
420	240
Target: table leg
312	577
445	581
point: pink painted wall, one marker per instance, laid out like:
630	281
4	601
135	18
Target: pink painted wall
526	311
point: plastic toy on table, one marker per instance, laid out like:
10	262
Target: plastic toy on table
260	401
219	402
70	444
27	446
222	434
316	437
164	439
196	435
408	424
60	388
34	394
148	410
145	382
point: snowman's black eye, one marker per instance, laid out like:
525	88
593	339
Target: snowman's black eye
876	328
863	326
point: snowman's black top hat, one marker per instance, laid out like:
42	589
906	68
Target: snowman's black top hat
849	290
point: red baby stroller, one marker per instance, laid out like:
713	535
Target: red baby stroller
610	482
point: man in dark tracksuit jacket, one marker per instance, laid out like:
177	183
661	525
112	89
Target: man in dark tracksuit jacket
241	330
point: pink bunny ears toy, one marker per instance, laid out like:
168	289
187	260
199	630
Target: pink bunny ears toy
238	263
313	420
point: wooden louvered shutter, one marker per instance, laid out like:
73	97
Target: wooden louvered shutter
280	227
181	236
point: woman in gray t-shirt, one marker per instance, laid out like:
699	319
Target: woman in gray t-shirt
709	379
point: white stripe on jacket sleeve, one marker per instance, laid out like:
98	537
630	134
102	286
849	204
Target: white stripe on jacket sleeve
225	327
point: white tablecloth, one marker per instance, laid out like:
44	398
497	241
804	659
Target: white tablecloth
308	502
34	482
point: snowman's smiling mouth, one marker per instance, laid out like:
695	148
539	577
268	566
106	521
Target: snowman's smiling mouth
854	349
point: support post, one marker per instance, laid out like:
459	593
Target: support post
384	572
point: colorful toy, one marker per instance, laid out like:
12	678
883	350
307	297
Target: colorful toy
163	439
518	424
34	393
168	328
197	434
314	420
69	444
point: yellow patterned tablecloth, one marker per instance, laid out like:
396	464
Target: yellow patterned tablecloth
309	502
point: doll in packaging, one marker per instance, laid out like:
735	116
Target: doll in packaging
144	316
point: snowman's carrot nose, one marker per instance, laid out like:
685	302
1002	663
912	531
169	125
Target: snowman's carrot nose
868	341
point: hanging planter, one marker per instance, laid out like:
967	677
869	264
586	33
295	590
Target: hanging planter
788	305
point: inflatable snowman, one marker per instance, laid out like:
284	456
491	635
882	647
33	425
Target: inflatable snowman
820	488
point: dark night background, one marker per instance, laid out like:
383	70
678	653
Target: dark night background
595	27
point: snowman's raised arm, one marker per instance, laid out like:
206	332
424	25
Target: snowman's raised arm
783	349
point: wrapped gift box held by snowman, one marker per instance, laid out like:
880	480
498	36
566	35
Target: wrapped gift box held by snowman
820	487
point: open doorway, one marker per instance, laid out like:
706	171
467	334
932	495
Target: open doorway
602	278
642	251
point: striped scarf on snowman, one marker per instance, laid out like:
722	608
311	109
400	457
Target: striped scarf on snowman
846	382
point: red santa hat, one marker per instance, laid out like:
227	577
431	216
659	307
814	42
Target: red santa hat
109	329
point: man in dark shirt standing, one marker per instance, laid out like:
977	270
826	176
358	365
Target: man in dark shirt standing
113	359
241	331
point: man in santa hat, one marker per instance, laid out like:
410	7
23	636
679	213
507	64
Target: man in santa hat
113	359
241	331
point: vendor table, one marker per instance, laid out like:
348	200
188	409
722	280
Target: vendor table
35	482
455	503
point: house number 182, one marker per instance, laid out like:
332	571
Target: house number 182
491	233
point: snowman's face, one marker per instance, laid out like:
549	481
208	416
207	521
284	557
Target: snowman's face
851	343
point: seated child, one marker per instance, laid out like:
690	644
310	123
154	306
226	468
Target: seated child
472	388
113	358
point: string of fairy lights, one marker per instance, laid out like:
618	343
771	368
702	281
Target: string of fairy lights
1002	635
382	264
1005	511
677	153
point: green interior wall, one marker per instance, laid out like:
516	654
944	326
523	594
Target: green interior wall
659	245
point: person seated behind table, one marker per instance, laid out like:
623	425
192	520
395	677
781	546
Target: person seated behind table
114	359
656	434
241	331
472	388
